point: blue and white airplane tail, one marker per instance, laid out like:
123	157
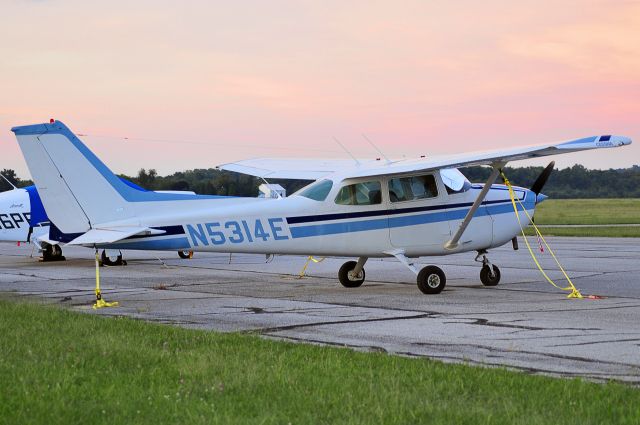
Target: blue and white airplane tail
78	190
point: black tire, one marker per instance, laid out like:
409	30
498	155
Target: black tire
431	280
56	251
106	261
345	279
47	253
487	279
185	254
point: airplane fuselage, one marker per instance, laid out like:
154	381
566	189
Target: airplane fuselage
15	212
417	227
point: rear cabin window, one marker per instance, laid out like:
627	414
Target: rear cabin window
412	188
317	191
366	193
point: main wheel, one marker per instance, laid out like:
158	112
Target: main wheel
47	252
56	251
431	280
346	277
185	254
487	279
109	261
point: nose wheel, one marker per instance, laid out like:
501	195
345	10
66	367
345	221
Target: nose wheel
489	273
349	276
490	276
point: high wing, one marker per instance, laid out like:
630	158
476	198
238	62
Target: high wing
105	235
314	169
498	156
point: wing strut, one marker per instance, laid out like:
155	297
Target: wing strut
453	243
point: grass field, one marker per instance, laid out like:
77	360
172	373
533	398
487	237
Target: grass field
58	366
589	212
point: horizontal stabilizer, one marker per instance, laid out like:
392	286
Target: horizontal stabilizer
112	234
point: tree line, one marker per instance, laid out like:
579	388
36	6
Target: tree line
571	182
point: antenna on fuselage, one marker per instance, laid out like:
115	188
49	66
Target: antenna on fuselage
377	149
7	180
346	150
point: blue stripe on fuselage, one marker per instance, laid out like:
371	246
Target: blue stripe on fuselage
403	221
395	211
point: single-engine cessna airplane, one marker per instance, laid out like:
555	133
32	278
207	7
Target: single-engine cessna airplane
405	209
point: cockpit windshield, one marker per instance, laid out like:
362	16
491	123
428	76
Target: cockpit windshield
317	191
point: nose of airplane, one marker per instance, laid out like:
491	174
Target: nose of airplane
540	197
622	140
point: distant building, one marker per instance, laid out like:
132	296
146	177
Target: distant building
271	191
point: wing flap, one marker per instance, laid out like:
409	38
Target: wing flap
112	234
288	168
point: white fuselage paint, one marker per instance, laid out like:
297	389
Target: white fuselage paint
298	225
15	210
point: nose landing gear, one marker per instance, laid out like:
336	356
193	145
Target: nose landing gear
351	274
489	273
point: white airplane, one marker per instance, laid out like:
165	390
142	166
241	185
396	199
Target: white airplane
24	219
404	209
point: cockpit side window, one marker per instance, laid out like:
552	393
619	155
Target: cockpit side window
412	188
366	193
317	191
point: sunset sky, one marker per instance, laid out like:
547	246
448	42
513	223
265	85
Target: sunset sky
193	84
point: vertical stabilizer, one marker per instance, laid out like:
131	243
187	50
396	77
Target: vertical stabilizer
73	184
77	190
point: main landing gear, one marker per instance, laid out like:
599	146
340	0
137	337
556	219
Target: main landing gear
186	254
430	279
52	253
112	257
351	274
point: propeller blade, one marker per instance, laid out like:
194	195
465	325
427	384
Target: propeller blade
542	178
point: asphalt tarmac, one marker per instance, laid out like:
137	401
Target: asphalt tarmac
524	323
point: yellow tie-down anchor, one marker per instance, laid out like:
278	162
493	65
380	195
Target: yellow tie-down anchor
306	264
100	303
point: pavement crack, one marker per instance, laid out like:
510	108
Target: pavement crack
338	322
595	342
486	322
